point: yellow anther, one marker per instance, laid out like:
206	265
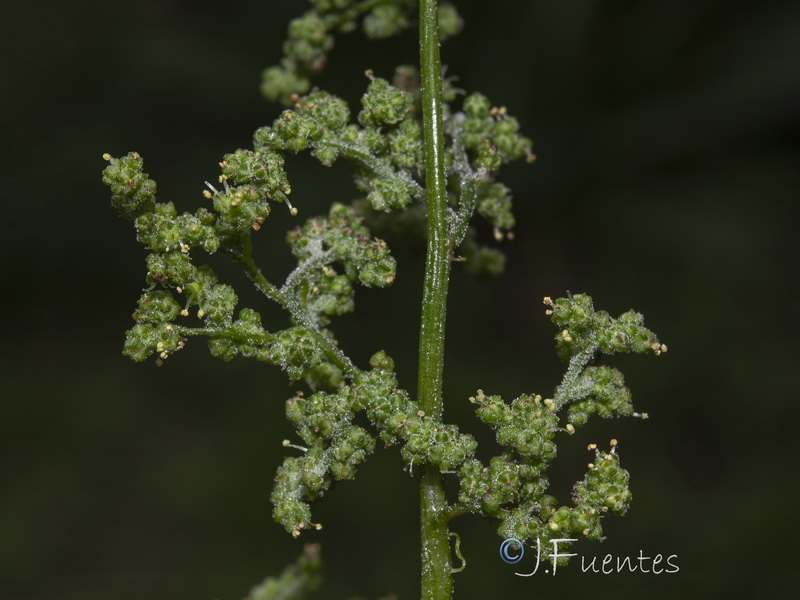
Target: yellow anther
293	211
547	300
591	446
570	428
614	441
590	465
106	156
207	194
420	413
201	313
185	313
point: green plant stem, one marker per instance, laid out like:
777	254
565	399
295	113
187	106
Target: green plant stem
437	579
378	166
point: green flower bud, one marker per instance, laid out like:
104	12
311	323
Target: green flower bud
477	106
169	268
308	40
287	496
489	157
157	306
295	351
133	193
481	261
159	232
290	132
342	470
548	505
145	339
222	347
218	304
384	104
380	360
384	21
263	170
494	204
450	22
405	144
283	82
386	195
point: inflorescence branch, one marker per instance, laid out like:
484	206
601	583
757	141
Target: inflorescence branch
386	149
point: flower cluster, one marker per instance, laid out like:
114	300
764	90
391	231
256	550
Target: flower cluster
583	335
324	421
310	38
382	151
511	488
250	179
339	238
382	143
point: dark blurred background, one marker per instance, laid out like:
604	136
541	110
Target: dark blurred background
667	172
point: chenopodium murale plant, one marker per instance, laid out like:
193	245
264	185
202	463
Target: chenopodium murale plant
383	146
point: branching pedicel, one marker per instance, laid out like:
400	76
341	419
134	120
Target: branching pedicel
384	148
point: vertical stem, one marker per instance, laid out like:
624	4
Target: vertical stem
437	582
